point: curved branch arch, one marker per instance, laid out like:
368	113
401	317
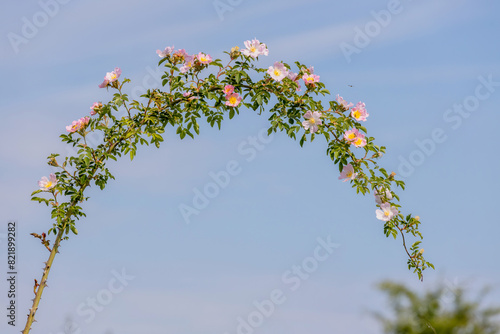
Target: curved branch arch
197	87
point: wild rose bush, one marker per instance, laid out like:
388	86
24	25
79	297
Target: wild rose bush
197	87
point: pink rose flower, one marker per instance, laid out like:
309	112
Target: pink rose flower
360	141
359	112
343	102
233	100
228	89
254	49
47	184
278	72
188	63
168	50
347	173
78	125
111	77
84	121
310	79
386	212
95	107
204	58
73	127
355	137
351	135
312	122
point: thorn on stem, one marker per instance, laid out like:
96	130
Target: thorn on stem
35	287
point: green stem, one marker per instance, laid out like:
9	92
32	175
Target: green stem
43	281
57	242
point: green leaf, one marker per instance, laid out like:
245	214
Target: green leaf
302	140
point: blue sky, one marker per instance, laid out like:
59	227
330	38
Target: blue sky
429	73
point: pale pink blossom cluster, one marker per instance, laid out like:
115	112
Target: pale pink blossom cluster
78	124
343	102
111	77
310	79
189	61
308	76
354	137
255	48
313	120
278	71
95	108
232	99
180	54
379	199
359	112
295	78
46	184
204	58
347	173
168	50
386	212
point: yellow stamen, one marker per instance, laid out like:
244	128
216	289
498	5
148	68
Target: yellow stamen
312	121
232	100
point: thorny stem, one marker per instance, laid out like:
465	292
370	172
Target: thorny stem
43	281
38	288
